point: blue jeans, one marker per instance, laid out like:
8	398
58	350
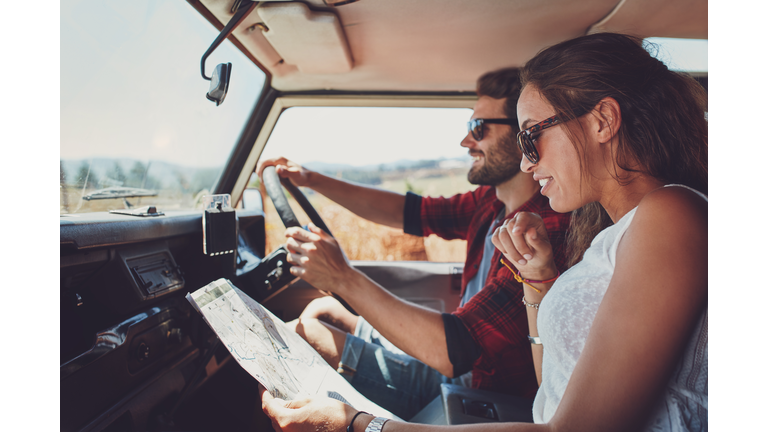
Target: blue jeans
386	375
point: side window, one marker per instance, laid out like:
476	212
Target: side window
398	149
689	55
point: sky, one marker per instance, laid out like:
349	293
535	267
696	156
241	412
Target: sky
362	136
131	84
33	102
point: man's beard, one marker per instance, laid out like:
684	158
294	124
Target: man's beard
502	162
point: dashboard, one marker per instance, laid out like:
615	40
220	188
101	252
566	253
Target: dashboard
134	355
131	346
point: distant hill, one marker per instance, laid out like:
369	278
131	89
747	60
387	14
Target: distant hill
375	174
165	175
161	175
402	164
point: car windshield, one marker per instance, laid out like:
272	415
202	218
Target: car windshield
136	127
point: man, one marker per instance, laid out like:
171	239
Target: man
488	334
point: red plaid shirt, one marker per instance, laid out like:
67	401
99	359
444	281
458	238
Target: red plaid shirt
495	317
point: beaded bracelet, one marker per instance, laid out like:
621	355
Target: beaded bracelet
528	282
531	305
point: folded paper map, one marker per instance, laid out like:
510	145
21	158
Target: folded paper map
284	363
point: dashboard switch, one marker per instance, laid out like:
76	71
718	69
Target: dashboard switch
142	352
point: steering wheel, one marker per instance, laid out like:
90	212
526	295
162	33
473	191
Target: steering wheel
274	184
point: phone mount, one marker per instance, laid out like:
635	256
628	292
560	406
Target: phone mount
219	225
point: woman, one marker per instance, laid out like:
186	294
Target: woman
608	131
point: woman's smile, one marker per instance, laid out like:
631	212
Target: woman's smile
544	182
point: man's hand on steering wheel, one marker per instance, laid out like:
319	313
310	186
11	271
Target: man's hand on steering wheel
317	258
285	168
305	252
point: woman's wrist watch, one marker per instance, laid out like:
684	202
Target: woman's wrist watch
376	424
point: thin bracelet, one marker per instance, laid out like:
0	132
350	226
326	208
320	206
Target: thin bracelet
349	428
529	281
530	305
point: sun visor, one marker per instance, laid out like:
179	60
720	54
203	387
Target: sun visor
312	41
657	18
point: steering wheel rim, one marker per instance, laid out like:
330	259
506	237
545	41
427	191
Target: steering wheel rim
274	184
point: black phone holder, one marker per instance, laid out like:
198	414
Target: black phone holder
219	226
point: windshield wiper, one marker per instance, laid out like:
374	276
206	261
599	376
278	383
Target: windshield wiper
119	192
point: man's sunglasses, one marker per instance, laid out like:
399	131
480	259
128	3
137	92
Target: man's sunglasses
476	126
526	138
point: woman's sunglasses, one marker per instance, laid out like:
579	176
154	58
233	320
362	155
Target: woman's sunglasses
526	138
476	126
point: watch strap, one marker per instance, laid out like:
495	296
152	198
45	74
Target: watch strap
376	424
534	340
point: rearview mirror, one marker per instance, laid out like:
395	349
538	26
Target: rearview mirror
219	83
220	77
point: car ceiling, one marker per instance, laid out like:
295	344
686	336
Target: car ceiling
435	45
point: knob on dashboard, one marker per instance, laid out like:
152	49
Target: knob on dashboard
142	352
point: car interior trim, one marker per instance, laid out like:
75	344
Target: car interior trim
237	159
383	57
88	231
106	341
657	18
321	47
169	379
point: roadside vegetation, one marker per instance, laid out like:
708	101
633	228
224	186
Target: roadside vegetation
365	240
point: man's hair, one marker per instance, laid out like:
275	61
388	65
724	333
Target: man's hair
502	84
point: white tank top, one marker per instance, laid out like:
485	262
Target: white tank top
565	317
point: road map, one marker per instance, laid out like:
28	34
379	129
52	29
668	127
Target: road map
284	363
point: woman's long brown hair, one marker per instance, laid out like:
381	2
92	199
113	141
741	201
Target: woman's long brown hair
663	132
